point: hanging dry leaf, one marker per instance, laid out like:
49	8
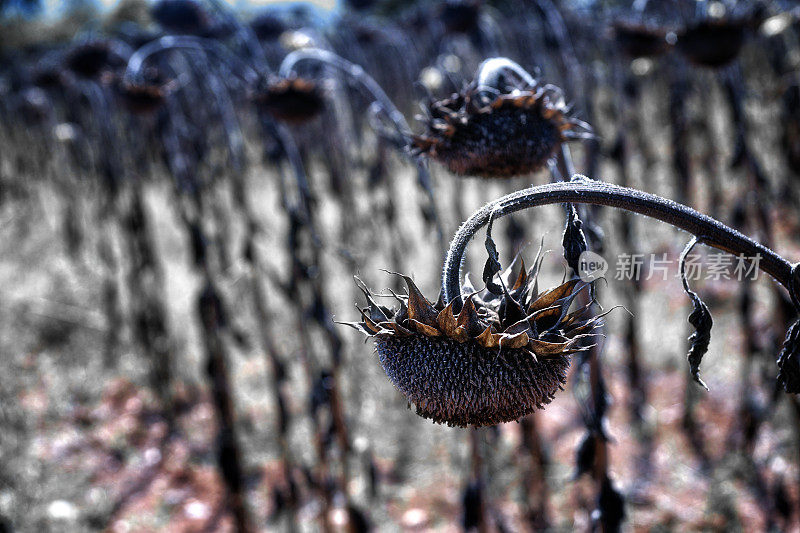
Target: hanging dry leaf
574	241
492	265
699	318
789	360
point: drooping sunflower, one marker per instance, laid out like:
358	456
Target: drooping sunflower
639	39
460	16
181	16
141	98
145	94
268	26
491	359
90	59
713	42
497	133
291	99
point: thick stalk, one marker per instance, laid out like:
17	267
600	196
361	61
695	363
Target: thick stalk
584	191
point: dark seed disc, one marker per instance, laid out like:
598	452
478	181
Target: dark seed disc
465	384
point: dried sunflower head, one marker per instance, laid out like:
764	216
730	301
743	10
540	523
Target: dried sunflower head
483	131
494	359
640	40
181	16
141	98
290	99
460	16
143	95
47	76
92	58
268	26
713	42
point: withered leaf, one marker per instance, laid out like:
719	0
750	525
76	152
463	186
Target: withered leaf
585	454
468	318
492	266
699	318
419	308
425	329
574	241
446	320
522	277
549	298
789	360
611	507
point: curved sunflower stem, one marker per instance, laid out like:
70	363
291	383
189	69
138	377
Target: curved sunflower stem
135	67
581	190
705	229
492	70
374	91
244	33
353	71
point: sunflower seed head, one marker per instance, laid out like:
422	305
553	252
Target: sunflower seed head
495	136
290	99
494	359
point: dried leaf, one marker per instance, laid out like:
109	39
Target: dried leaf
446	320
428	331
492	266
419	308
488	339
789	360
551	297
611	507
522	277
585	454
699	318
514	341
468	318
574	241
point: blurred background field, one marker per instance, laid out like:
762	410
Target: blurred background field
169	357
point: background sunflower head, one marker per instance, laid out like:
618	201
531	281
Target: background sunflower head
290	99
484	132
